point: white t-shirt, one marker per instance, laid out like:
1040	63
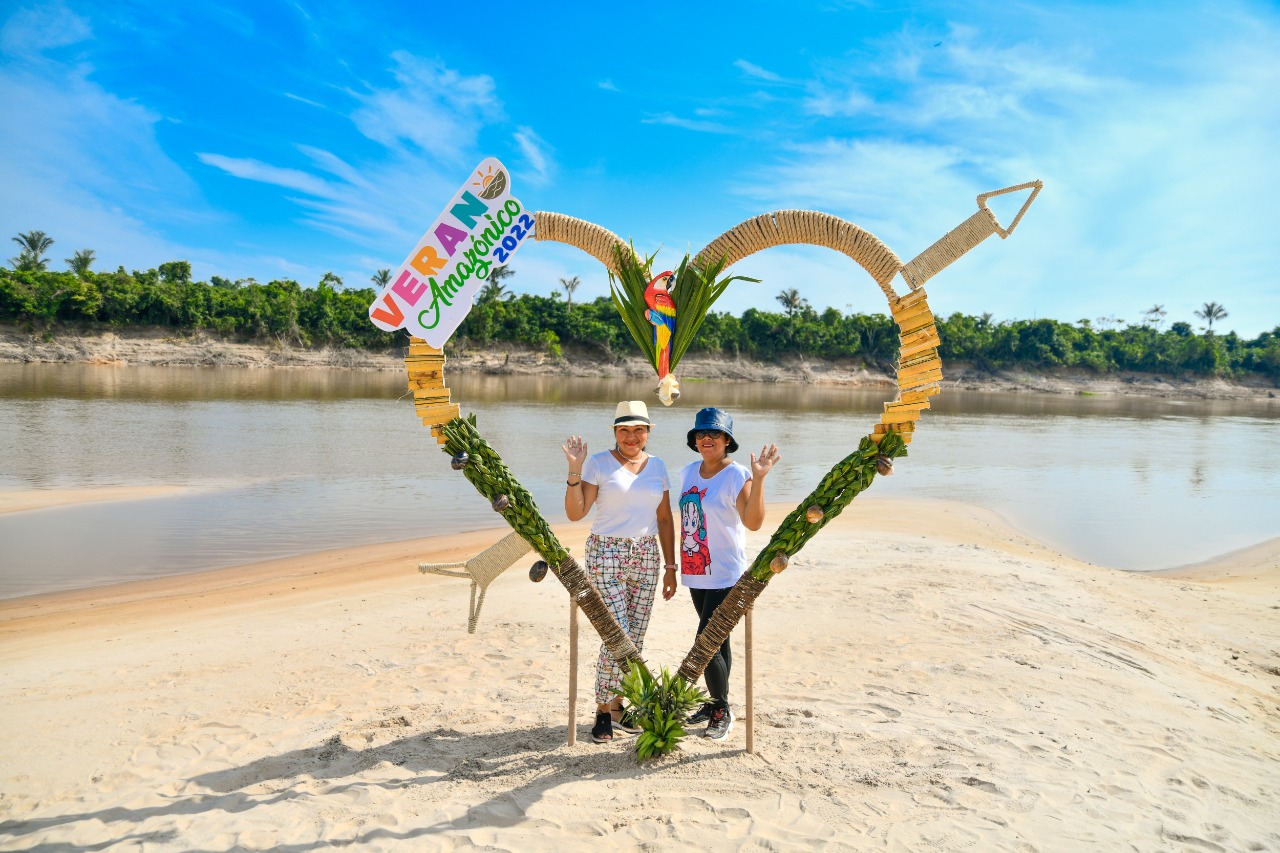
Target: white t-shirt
627	504
713	539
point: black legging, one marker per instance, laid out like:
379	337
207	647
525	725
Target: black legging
705	601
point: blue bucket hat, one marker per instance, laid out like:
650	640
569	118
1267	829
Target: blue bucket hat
711	418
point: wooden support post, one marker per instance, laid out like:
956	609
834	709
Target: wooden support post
573	672
751	699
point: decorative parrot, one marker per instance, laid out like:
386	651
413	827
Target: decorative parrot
662	314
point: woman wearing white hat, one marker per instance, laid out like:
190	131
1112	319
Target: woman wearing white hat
631	492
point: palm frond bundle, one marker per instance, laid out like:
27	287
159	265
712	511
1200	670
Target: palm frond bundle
695	290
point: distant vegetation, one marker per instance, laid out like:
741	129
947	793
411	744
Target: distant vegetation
333	315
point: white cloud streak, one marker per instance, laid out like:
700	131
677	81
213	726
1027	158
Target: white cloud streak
534	150
753	70
696	125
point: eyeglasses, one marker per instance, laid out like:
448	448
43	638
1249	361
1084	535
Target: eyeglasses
707	433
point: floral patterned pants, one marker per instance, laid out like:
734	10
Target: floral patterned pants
625	573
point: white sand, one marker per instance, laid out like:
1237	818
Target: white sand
926	679
23	500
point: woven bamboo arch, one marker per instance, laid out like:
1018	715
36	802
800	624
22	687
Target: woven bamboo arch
919	368
807	227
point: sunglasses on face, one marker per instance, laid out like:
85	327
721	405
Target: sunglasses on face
707	433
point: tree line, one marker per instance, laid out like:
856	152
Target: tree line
331	314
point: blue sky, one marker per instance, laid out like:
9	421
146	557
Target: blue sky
286	139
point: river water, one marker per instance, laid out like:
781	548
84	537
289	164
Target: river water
283	462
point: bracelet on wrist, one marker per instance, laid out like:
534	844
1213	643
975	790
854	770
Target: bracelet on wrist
571	485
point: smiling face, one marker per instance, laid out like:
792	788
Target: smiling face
712	444
631	438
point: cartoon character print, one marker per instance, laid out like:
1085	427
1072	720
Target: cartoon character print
695	557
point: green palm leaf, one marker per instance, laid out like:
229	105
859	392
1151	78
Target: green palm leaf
695	290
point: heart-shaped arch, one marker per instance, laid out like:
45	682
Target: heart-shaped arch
919	372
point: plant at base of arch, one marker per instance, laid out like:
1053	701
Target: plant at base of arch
659	705
695	290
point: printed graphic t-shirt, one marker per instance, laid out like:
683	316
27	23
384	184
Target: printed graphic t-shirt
713	539
627	504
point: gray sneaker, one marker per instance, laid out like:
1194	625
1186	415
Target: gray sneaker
721	723
701	715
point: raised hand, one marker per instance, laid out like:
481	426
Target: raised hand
761	465
575	450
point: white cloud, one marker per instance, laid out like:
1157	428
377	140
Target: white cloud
255	170
434	109
429	123
698	125
849	102
80	163
753	70
33	30
534	150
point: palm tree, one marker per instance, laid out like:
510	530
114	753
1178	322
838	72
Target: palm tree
80	262
792	301
494	291
1210	312
34	244
570	285
381	278
1155	315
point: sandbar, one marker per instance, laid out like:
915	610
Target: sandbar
925	677
24	500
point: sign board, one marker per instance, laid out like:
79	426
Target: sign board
431	292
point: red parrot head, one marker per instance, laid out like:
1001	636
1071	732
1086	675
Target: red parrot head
662	280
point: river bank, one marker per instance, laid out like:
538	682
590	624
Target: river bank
161	348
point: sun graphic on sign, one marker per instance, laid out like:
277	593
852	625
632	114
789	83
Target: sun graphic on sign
491	183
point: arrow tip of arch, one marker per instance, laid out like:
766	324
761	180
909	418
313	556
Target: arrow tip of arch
1035	187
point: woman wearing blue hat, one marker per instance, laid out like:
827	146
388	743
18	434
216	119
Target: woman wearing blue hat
630	491
720	500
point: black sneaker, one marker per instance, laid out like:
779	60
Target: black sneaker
628	723
701	715
721	723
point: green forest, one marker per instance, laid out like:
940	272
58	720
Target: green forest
332	314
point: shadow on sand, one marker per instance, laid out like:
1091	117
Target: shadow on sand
517	766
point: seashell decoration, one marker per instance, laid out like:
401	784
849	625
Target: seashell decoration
884	465
538	571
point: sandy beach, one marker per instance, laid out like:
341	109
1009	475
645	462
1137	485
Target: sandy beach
925	678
